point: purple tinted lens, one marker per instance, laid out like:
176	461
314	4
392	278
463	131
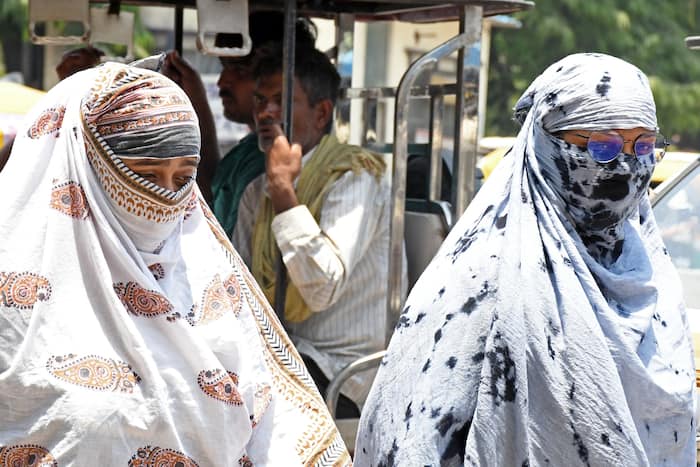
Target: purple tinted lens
604	147
644	145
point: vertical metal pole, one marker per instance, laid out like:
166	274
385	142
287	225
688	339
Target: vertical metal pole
344	29
345	26
464	156
288	59
178	27
437	104
398	179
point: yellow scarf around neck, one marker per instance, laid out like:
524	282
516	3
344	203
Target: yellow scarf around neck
330	161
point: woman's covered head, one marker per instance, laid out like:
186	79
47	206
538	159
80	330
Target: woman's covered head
589	125
589	92
142	140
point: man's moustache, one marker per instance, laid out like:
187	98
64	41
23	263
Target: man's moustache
270	122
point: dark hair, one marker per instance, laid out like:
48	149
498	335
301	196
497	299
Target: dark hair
316	74
268	27
318	77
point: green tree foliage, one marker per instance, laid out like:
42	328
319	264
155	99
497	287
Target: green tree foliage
14	12
648	33
13	29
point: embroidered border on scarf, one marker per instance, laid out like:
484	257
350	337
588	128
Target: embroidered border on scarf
319	446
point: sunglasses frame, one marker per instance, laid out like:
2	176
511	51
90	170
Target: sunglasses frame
656	134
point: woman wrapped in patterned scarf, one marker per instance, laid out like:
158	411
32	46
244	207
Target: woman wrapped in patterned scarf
549	329
130	331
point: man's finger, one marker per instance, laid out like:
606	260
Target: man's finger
295	150
280	142
177	61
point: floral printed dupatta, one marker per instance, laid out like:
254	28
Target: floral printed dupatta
130	331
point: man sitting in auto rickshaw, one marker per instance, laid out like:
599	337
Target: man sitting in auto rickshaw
223	180
325	205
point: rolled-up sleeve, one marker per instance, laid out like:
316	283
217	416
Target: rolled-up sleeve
320	256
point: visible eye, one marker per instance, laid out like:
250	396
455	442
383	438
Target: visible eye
183	181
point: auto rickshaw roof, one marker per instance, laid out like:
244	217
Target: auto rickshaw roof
418	11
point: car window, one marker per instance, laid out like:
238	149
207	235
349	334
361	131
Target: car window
677	214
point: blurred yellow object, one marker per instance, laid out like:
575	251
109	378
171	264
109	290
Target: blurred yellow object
15	101
672	163
491	160
17	98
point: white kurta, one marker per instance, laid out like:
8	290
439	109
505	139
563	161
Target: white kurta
339	265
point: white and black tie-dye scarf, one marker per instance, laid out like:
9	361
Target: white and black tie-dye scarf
549	330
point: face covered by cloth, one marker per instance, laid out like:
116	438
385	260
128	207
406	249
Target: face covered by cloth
589	92
549	328
110	355
135	113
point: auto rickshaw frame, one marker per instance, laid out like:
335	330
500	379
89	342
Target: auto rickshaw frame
470	14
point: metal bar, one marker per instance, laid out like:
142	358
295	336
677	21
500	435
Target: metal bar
367	121
435	181
114	7
288	59
344	43
345	27
361	364
290	16
398	185
179	15
432	90
464	155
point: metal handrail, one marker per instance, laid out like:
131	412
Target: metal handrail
386	92
361	364
470	33
288	64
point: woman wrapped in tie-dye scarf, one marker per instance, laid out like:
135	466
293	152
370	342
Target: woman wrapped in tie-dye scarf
130	331
549	330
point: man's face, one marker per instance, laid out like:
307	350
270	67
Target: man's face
236	86
307	122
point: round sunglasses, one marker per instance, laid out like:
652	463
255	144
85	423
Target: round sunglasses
605	146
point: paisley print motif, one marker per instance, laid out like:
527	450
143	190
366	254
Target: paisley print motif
221	385
262	400
233	290
69	198
93	372
48	122
157	271
142	302
153	456
26	455
23	289
215	301
218	298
